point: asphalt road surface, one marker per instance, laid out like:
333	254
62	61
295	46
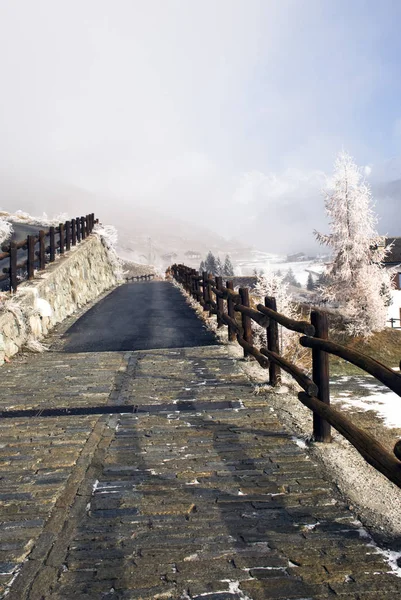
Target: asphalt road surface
138	316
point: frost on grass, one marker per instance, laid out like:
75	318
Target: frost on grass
5	230
23	314
210	322
109	237
41	221
274	284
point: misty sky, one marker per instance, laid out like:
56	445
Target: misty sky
225	111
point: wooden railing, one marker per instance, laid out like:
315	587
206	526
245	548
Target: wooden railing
35	252
211	294
147	277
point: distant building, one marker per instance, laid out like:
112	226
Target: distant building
393	260
193	255
170	257
298	257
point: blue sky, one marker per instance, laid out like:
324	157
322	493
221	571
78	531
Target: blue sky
216	103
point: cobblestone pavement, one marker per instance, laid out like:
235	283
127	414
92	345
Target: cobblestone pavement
203	496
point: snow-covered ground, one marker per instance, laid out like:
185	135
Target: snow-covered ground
263	261
366	393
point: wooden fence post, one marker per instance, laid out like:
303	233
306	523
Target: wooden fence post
232	336
320	375
209	292
197	288
78	222
192	277
204	286
13	267
83	228
31	256
190	282
42	238
61	229
87	225
67	235
246	321
219	301
273	343
52	236
74	232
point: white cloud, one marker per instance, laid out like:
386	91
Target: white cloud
193	107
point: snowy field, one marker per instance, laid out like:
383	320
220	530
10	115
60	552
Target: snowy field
366	393
263	261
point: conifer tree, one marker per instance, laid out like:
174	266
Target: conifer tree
210	263
358	281
228	267
219	267
310	284
290	278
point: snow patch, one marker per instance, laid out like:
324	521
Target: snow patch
384	402
391	556
191	557
299	442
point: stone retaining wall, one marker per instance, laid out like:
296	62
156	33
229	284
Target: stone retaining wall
72	281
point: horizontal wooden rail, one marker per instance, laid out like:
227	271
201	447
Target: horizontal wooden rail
20	265
369	365
292	324
38	252
256	316
371	450
22	244
262	360
230	322
227	293
316	395
300	377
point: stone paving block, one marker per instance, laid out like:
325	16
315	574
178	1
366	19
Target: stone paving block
203	503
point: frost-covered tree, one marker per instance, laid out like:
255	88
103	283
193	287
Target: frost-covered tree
310	284
228	267
202	267
291	279
219	267
272	284
5	230
210	264
357	279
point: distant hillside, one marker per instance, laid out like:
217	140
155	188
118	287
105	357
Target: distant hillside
145	236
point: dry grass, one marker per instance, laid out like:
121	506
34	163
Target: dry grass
384	346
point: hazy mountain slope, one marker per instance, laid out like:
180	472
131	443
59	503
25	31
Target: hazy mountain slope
144	234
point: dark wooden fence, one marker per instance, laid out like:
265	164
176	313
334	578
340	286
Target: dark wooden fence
36	251
393	322
147	277
212	295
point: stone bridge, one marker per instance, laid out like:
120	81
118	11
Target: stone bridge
138	463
